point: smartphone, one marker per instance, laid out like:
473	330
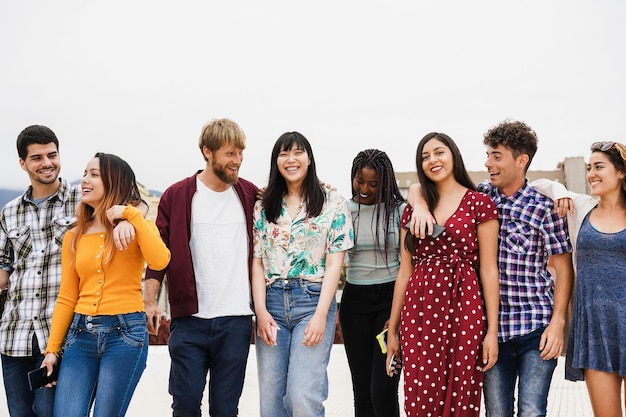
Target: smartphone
382	341
437	230
40	378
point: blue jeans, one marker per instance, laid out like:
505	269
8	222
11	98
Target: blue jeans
21	401
196	346
519	357
364	311
293	381
103	360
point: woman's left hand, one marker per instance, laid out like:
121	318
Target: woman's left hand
490	351
314	332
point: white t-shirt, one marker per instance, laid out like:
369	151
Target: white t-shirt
219	250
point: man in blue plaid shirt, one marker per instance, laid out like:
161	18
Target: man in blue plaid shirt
533	303
31	233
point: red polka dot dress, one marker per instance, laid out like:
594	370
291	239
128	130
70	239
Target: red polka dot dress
443	320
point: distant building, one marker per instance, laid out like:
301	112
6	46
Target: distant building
152	199
571	172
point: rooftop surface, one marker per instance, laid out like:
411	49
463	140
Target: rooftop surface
151	398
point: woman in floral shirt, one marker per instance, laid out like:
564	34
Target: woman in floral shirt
301	233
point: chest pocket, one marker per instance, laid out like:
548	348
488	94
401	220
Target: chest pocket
21	240
61	225
519	238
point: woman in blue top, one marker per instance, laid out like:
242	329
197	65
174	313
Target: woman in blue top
301	232
597	346
376	208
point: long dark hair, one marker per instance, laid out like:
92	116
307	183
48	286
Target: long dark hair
429	188
311	189
387	193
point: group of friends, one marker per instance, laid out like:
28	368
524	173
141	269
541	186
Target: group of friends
481	306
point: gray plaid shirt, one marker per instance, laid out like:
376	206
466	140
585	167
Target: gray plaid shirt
30	250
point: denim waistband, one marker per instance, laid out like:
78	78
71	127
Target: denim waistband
291	283
87	321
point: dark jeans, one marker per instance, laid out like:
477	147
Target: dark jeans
21	401
196	346
364	311
519	358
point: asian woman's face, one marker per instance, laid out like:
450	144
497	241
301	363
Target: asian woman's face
293	164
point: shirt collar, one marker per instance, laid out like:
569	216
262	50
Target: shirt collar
62	193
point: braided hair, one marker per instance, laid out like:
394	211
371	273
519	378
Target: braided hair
387	193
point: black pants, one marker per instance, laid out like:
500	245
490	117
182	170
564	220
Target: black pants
364	311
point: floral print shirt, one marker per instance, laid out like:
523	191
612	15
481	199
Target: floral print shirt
297	248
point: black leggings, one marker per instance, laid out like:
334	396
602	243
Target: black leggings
363	313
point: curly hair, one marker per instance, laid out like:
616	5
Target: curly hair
517	136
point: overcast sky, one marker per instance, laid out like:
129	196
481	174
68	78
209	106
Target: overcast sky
139	78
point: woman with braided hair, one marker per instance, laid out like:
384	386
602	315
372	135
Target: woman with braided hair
376	207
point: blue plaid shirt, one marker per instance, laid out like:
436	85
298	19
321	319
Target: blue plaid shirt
530	231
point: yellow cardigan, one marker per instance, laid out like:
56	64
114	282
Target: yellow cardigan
91	287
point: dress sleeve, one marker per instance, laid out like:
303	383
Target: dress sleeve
485	208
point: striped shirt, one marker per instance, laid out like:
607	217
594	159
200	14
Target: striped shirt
30	250
530	232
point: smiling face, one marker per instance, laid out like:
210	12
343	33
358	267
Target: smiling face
506	171
92	185
225	163
293	164
437	161
365	184
602	176
42	163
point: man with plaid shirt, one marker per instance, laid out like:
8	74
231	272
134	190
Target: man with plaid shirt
533	303
31	233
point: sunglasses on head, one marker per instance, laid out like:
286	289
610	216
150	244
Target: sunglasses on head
602	146
607	146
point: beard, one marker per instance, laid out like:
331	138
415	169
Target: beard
225	177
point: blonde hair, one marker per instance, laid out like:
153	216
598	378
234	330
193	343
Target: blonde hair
219	132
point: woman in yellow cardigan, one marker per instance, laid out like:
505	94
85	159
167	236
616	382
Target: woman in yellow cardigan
99	310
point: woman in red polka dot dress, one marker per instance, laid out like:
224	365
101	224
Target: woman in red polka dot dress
447	322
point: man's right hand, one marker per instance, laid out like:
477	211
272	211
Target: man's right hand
153	314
